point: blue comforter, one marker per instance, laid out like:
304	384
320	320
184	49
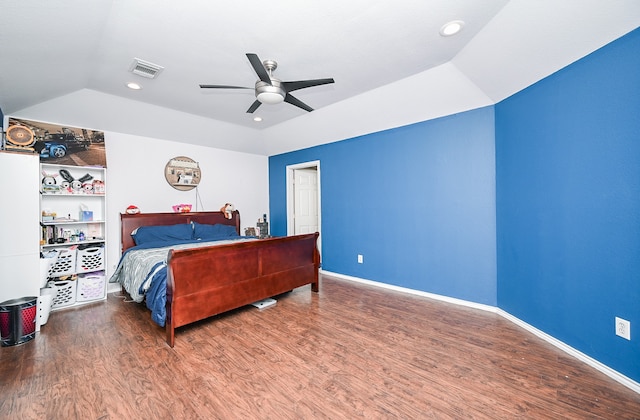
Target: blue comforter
156	294
142	272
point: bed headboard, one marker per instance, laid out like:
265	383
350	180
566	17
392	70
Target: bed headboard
130	222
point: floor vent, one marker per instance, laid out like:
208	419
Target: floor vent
145	68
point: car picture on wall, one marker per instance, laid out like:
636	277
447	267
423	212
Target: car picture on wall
60	144
55	143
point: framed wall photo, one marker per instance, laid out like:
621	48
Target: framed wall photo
182	173
56	144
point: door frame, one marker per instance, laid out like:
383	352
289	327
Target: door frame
291	194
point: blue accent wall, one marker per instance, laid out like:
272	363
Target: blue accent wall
550	234
418	202
568	204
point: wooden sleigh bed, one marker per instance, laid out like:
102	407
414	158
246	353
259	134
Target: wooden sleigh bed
206	281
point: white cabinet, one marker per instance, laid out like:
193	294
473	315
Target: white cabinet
19	253
72	222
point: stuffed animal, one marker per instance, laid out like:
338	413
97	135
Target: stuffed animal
227	210
182	208
74	185
132	210
98	186
49	183
66	186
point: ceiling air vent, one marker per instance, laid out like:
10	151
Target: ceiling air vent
145	68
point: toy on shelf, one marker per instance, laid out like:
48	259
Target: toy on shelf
87	187
98	186
49	183
72	185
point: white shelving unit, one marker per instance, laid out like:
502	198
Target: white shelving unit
73	224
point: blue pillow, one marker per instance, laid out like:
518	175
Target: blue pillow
213	232
145	234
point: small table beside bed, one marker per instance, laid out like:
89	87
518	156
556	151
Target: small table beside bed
191	266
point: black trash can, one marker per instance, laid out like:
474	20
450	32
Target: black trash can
18	320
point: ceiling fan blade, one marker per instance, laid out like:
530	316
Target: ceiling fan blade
301	84
297	102
259	68
223	87
254	106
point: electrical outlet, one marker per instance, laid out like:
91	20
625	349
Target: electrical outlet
360	259
623	328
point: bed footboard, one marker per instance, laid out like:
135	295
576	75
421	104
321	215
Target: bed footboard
203	282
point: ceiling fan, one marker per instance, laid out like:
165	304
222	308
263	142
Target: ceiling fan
270	90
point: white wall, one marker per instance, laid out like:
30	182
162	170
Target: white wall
135	175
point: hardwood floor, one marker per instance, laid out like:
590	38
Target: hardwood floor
351	351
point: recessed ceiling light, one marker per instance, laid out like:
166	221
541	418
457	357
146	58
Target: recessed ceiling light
257	119
134	86
451	28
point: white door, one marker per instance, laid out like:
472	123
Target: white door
305	200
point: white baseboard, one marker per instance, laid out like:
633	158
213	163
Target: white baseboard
461	302
113	287
613	374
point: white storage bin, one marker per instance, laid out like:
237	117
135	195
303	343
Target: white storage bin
91	286
66	262
45	303
90	259
46	264
65	293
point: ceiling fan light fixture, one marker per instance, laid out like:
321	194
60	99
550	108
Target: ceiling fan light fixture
270	94
270	98
451	28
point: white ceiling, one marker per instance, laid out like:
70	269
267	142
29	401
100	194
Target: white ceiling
377	52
